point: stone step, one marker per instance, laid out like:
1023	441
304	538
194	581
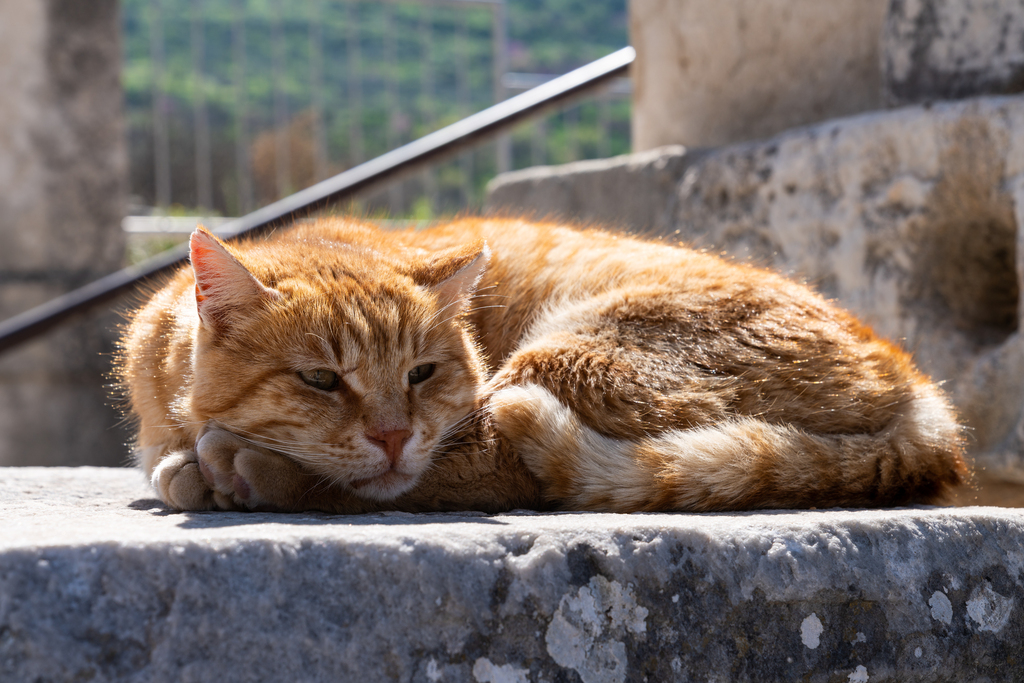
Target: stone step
99	582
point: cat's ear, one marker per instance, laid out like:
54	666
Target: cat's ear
223	285
454	274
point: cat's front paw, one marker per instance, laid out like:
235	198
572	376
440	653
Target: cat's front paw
180	483
245	476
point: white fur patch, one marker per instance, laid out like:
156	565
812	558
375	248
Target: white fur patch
601	467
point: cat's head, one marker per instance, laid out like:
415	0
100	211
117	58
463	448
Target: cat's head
352	359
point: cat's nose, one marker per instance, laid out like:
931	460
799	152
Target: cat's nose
391	441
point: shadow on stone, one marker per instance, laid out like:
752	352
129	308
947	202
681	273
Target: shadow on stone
218	519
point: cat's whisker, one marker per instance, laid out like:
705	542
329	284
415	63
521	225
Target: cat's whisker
322	483
238	431
462	423
444	451
288	447
489	296
177	425
326	347
276	444
475	413
471	310
441	311
452	437
301	456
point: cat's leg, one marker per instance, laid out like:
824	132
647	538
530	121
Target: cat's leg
612	412
246	476
577	467
168	456
740	463
224	472
576	398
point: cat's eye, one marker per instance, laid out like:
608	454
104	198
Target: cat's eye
325	380
421	373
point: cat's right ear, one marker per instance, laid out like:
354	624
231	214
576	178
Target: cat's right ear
454	274
223	285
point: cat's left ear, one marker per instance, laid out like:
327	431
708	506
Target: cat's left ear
454	274
223	285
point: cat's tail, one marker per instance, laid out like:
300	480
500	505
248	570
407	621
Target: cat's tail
744	463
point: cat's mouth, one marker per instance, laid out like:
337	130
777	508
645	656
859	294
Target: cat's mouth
384	486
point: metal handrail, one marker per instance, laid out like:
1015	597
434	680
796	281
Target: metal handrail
470	131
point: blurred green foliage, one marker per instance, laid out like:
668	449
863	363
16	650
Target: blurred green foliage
420	66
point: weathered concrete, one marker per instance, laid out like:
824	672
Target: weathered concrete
711	73
946	49
627	191
99	582
62	196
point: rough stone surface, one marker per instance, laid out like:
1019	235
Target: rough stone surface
99	582
710	73
62	196
627	191
912	219
948	49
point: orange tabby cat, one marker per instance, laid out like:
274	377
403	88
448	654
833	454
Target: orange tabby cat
494	364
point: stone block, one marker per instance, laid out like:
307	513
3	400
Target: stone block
99	582
62	152
950	49
62	196
912	219
626	191
710	73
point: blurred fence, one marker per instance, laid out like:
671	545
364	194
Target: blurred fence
232	104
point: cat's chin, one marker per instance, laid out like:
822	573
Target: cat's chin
383	487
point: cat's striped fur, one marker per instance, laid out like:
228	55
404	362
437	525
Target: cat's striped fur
565	368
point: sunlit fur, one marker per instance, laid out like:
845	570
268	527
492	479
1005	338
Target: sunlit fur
332	310
575	369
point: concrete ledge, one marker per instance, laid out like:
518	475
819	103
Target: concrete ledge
99	582
632	191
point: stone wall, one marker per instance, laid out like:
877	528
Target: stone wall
62	197
949	49
712	73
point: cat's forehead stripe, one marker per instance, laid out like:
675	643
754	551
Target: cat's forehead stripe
329	350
